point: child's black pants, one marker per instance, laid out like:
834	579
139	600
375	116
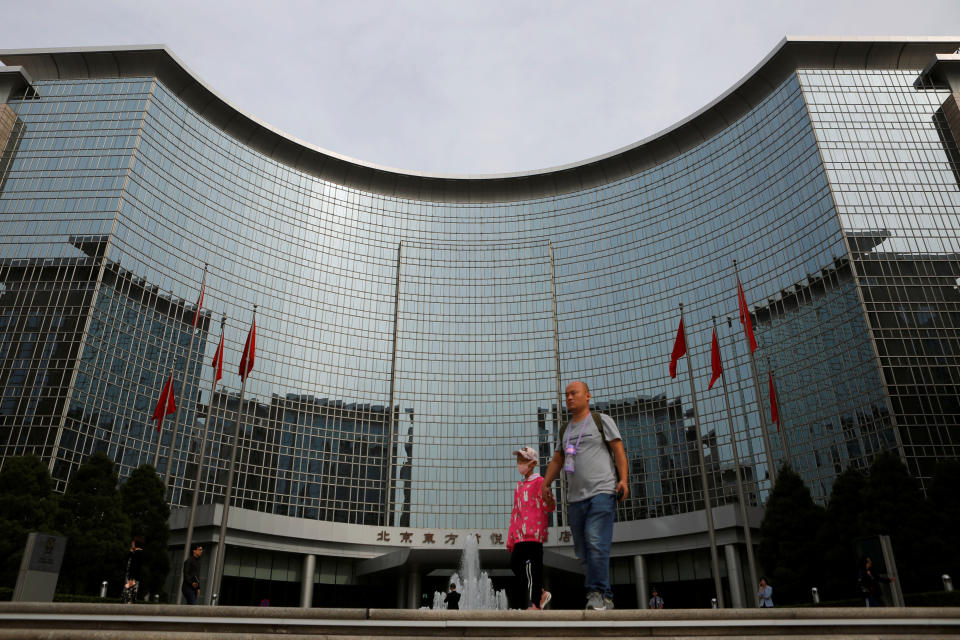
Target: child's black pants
527	564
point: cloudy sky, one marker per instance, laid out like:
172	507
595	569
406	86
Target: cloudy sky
450	86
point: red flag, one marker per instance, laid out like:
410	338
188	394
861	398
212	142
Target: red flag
218	360
246	361
679	349
715	360
745	317
774	414
166	404
196	314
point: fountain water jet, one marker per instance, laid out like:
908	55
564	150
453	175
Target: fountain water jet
475	587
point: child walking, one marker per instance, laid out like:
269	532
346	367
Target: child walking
528	531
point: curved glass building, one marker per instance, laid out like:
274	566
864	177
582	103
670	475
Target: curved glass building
413	330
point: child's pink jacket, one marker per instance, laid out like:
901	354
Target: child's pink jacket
528	522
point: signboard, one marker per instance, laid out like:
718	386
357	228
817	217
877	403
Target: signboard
40	567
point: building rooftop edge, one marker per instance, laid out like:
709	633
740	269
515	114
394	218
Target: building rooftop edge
791	53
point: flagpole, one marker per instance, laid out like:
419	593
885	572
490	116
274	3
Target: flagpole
394	439
156	454
780	426
764	425
707	507
562	513
221	541
186	375
741	498
199	475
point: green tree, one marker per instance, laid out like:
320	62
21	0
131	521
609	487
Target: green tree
142	497
98	531
843	524
26	504
895	506
788	539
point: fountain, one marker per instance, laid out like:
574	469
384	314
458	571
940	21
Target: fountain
476	589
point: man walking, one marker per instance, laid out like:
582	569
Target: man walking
590	452
190	588
656	602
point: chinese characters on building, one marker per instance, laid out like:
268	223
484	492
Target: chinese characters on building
496	538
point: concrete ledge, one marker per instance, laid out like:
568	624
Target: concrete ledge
27	621
173	610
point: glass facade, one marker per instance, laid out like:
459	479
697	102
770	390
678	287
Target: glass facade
892	162
405	346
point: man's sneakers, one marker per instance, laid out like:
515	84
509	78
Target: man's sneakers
545	597
595	601
598	602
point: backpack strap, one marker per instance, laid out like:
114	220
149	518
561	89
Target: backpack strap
597	421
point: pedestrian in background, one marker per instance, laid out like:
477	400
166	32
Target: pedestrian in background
870	582
452	599
133	571
190	587
765	594
656	602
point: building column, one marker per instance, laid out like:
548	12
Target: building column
306	580
640	581
401	583
413	586
734	575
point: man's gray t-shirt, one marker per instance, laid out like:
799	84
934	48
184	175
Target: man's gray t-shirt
594	471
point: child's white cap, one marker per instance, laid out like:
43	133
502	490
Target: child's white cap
526	452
